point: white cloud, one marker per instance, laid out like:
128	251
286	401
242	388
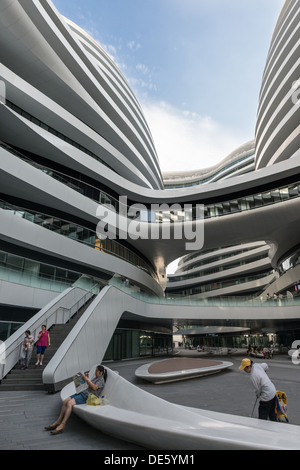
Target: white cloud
142	68
185	140
133	45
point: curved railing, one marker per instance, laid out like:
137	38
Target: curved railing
78	233
217	209
234	301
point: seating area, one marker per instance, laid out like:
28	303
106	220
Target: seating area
172	370
135	416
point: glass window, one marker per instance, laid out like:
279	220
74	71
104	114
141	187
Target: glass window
284	192
15	262
266	197
242	204
294	190
31	266
275	195
234	206
47	271
216	209
3	257
226	207
250	202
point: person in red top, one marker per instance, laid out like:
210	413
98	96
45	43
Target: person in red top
42	344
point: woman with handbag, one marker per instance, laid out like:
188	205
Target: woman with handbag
95	386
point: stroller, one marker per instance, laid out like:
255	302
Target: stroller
281	406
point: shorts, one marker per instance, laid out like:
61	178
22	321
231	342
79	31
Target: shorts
80	398
41	349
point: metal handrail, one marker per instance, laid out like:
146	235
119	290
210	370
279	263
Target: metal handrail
11	348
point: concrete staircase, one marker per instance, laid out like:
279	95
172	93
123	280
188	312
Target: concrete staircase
31	378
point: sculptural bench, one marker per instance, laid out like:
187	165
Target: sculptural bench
137	416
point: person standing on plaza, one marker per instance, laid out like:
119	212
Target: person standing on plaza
42	344
264	389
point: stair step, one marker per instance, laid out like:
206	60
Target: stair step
23	380
31	378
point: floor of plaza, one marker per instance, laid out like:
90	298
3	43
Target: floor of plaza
23	415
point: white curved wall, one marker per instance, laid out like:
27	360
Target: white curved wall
51	58
277	129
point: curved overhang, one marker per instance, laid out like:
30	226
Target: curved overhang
213	330
35	238
247	226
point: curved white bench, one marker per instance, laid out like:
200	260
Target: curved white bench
151	422
174	376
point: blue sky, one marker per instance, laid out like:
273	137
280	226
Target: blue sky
195	66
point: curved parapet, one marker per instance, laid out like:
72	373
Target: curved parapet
137	416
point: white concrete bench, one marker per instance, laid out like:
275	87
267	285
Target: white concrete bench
151	422
144	372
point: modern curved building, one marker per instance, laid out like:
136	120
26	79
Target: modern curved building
240	270
74	139
238	162
73	136
278	117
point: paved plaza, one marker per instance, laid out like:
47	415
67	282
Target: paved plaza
23	415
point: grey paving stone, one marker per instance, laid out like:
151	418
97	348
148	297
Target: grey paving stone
23	415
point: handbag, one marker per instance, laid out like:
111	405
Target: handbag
92	400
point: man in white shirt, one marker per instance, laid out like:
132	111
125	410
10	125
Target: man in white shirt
264	389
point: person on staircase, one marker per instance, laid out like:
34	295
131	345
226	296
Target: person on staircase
42	344
26	351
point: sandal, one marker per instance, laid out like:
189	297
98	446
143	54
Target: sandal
52	426
59	429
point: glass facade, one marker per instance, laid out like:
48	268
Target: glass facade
132	344
290	262
220	284
217	269
8	328
34	274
